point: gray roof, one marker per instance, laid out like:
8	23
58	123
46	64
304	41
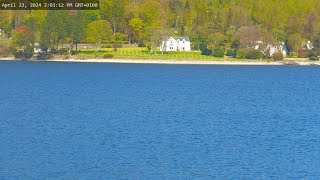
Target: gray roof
182	38
176	38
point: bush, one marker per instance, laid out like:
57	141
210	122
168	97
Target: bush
278	56
120	37
4	49
235	44
106	46
218	53
203	46
66	58
107	56
75	52
141	44
241	53
313	56
231	53
117	46
44	56
293	55
254	54
115	42
206	51
24	54
63	51
54	51
303	53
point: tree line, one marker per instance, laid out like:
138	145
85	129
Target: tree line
212	25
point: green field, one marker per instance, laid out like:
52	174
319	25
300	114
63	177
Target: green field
143	53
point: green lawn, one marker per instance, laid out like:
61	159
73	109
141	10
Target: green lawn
143	53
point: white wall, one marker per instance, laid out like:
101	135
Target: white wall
175	45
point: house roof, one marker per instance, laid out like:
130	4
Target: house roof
176	38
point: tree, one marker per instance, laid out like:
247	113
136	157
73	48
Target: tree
217	41
75	28
97	31
294	42
248	36
21	42
309	24
54	30
156	33
316	37
268	40
280	33
114	12
137	25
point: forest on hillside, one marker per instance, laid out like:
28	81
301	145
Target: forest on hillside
210	24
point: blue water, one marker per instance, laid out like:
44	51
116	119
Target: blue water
125	121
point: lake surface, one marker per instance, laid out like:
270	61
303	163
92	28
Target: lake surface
126	121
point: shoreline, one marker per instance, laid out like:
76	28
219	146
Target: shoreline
181	62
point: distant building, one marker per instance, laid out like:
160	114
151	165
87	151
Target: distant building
37	48
175	44
307	45
271	49
281	47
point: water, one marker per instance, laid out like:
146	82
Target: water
124	121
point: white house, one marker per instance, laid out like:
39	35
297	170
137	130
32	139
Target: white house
37	48
281	47
307	45
1	33
175	44
271	49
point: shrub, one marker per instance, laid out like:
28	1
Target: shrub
203	46
278	56
235	44
24	54
107	56
106	46
117	46
231	52
218	53
254	54
75	52
293	55
63	51
116	42
54	51
4	49
149	47
241	53
303	53
206	51
313	56
44	56
120	37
